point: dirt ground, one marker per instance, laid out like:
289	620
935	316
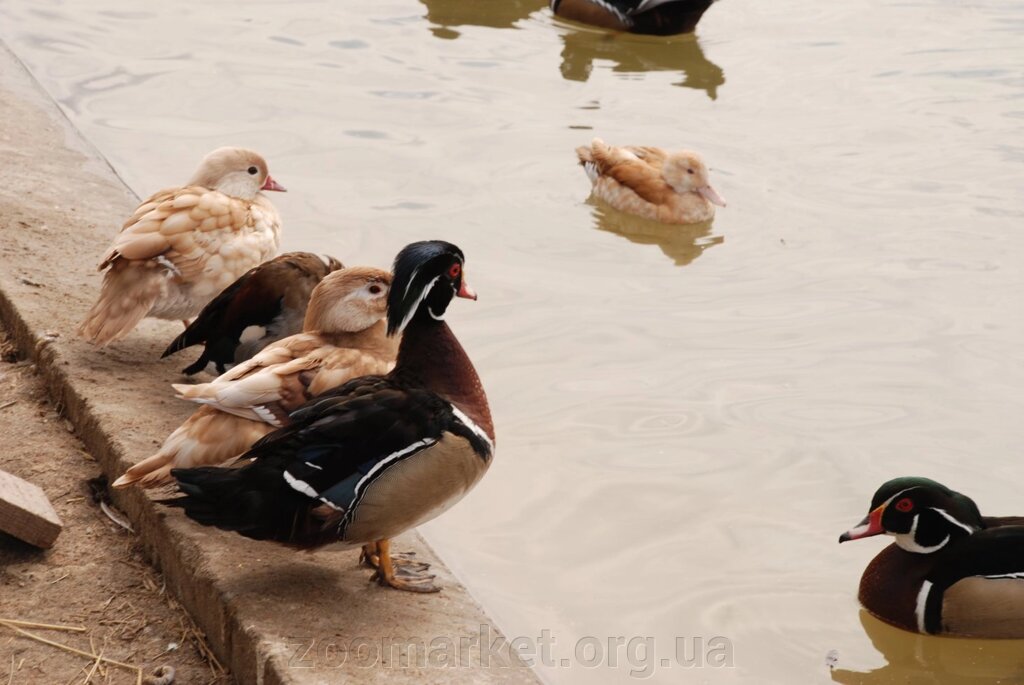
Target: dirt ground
94	577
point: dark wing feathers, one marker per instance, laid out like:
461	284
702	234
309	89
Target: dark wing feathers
332	438
994	551
255	299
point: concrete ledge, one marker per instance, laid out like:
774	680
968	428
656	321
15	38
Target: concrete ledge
271	614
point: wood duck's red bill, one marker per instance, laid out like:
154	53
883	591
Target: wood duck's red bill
465	291
871	525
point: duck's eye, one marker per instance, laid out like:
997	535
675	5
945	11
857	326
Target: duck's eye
689	171
455	270
375	289
253	171
906	504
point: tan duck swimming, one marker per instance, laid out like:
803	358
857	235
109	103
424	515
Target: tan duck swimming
951	571
344	337
183	246
671	187
379	455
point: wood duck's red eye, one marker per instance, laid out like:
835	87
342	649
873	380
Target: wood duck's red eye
455	270
905	505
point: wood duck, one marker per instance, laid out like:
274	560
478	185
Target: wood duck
344	337
266	304
183	246
670	187
951	570
378	455
655	17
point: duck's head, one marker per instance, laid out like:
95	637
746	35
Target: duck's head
348	300
426	276
923	516
686	172
236	172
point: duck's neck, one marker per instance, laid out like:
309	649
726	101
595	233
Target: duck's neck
373	339
431	357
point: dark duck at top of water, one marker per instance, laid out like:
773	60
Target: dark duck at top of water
654	17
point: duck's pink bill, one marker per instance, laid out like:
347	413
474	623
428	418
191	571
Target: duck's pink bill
271	184
871	525
465	291
711	195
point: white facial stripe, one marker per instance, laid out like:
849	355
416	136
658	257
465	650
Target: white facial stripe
922	603
1018	575
952	520
412	310
908	541
477	430
412	279
313	466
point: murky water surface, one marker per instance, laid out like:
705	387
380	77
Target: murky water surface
687	417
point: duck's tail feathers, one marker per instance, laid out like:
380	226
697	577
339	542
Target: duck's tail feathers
127	295
208	437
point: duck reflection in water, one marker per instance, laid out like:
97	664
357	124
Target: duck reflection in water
630	53
498	14
929	660
680	243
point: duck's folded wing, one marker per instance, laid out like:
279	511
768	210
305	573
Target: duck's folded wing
177	225
974	568
242	303
295	489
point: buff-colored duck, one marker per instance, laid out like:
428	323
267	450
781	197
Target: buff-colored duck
671	187
184	245
344	337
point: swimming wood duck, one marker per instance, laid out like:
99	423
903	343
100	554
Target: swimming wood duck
344	338
951	570
266	304
378	455
656	17
670	187
183	246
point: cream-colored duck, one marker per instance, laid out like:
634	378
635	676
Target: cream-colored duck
343	337
183	246
671	187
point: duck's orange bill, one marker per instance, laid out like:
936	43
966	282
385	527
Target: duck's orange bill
465	291
271	184
871	525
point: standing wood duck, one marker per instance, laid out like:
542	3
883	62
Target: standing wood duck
951	570
655	17
266	304
344	337
378	455
184	245
671	187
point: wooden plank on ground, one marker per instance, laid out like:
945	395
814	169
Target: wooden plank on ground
26	512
